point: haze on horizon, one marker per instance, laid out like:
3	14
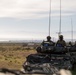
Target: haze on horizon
28	19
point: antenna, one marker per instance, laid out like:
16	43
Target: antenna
60	20
72	30
49	17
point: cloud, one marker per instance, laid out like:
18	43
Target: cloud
27	9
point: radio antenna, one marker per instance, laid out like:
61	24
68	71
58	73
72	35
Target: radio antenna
71	30
49	17
60	20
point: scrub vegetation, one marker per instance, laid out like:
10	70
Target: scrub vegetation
12	56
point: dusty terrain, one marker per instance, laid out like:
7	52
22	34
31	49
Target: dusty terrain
13	56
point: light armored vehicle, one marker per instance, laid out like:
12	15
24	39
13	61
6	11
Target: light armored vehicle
48	59
72	51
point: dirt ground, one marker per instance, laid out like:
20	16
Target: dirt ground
12	58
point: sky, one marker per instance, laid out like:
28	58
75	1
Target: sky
29	19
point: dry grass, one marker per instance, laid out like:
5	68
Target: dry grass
13	56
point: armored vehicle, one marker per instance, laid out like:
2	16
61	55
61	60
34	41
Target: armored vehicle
72	51
48	59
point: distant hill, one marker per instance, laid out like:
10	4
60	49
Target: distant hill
26	41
